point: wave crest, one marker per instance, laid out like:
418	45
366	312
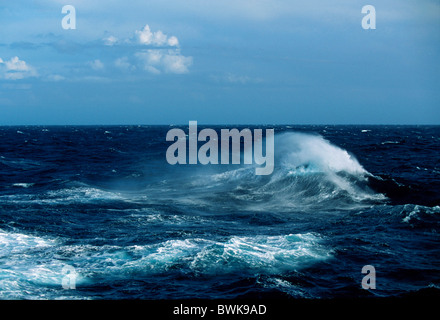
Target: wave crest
310	173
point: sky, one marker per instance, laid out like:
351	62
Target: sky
219	62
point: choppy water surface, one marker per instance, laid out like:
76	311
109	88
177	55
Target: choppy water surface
104	201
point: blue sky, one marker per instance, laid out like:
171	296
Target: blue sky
219	62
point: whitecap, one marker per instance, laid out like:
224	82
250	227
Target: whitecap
23	185
248	255
31	268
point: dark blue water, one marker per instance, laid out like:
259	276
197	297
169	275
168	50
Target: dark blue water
105	202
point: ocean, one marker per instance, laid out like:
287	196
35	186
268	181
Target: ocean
96	212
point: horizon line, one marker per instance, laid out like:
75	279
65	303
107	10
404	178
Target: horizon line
211	124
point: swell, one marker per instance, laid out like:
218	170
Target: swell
310	173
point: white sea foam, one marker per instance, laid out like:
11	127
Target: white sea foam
63	196
24	267
84	194
256	254
416	213
23	185
314	153
32	266
11	243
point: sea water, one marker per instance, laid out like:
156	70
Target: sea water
103	203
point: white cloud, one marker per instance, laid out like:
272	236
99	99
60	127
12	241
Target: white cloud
151	69
176	63
96	65
167	58
169	61
124	64
110	41
15	64
157	38
162	54
173	41
16	69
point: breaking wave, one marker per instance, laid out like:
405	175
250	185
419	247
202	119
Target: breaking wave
310	173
